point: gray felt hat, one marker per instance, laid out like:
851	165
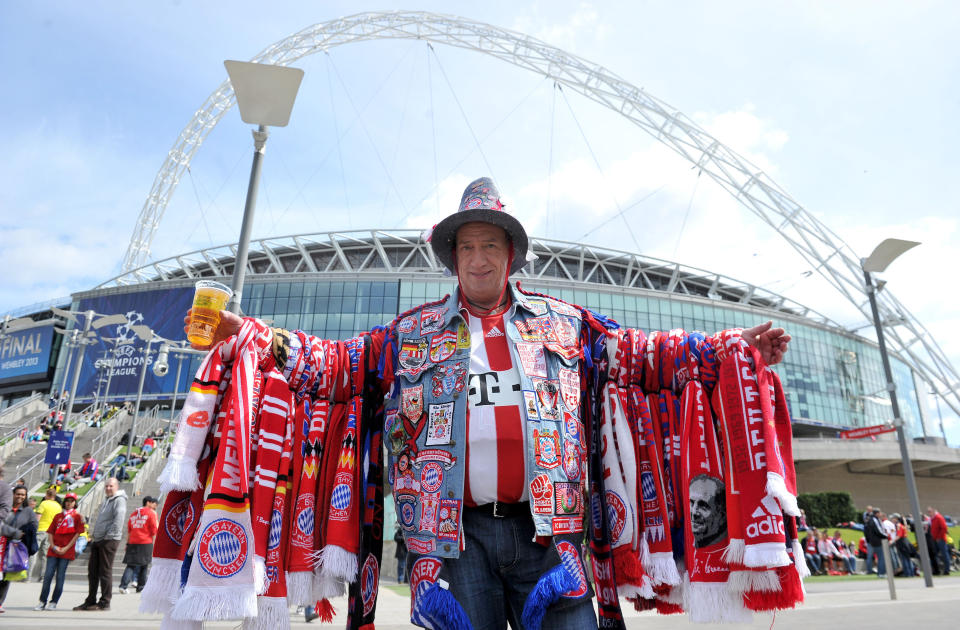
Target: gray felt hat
480	202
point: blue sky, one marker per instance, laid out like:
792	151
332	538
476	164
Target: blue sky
850	107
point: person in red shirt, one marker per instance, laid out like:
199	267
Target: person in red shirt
141	531
63	531
938	530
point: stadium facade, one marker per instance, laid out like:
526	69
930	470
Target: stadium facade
338	284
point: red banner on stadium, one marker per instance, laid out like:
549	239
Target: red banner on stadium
856	434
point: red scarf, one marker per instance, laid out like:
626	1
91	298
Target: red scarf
656	548
276	403
221	583
709	600
270	508
740	401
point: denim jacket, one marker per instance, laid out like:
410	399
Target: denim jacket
425	417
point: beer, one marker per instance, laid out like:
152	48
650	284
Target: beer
208	300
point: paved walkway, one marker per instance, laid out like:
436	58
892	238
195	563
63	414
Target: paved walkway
855	604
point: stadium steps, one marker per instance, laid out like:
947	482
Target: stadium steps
77	570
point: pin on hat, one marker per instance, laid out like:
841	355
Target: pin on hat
480	203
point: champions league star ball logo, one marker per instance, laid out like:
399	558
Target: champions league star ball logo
222	550
125	332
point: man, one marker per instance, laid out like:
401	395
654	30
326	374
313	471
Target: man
708	511
86	474
47	509
890	531
486	528
874	534
811	551
141	532
107	531
938	530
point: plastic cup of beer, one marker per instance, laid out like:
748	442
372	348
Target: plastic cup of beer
208	300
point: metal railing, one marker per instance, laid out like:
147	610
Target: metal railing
109	436
32	470
20	404
90	501
150	470
26	423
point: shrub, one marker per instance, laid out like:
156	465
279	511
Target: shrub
826	509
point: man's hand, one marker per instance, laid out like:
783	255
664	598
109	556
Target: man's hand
771	342
229	325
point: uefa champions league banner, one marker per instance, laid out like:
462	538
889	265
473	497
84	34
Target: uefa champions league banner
163	312
26	353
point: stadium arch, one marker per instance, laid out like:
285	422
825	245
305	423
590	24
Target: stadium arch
819	246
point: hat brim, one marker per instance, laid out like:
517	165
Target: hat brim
444	235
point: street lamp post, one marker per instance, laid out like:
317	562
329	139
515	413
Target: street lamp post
136	409
885	253
176	392
265	96
88	321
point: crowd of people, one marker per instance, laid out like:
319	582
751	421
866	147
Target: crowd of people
53	420
38	542
832	555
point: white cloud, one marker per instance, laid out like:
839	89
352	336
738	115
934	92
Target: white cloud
583	23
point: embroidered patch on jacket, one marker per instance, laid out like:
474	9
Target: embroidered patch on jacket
546	445
439	423
413	353
431	320
532	360
541	494
449	378
567	498
548	393
449	519
443	345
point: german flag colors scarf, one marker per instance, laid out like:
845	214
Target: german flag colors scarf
222	583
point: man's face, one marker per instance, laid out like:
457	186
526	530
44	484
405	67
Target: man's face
110	487
706	519
152	505
483	251
19	496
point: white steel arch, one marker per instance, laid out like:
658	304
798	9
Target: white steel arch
819	246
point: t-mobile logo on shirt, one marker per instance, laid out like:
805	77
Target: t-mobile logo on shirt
494	388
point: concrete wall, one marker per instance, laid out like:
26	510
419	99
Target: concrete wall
887	492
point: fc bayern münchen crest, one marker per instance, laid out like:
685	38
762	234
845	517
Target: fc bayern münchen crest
570	560
302	531
179	520
222	548
369	582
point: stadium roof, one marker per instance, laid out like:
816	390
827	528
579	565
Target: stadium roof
404	251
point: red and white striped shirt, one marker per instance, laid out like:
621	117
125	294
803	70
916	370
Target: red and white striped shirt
495	451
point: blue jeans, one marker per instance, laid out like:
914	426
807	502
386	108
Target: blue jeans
131	573
813	561
497	571
906	563
944	552
881	565
58	567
